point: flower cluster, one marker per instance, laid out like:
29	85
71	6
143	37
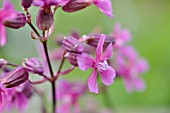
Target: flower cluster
108	56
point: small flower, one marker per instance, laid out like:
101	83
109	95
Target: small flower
33	65
129	66
68	93
98	64
6	13
45	3
122	36
104	6
15	77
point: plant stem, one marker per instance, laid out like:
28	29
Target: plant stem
52	75
33	28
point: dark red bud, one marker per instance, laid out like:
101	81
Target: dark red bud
75	5
26	3
72	59
93	40
15	77
44	19
71	44
33	65
17	22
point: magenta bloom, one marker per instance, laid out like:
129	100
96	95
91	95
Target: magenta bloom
45	3
14	97
6	13
129	66
122	36
69	93
105	6
99	64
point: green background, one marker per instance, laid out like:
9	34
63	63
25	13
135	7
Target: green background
149	23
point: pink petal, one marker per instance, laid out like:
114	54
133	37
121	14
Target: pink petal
85	61
128	85
108	52
139	84
92	83
125	35
142	66
65	108
63	2
2	35
108	75
105	6
21	101
99	48
117	29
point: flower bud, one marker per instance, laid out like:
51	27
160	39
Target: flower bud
17	22
44	19
2	62
71	44
75	5
26	3
33	65
72	59
15	77
93	40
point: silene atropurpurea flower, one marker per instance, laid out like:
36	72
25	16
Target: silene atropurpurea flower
99	64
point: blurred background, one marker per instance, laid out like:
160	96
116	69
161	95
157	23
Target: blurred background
149	23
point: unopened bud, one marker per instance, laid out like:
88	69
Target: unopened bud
26	3
33	65
44	19
72	59
15	77
71	44
75	5
93	40
17	22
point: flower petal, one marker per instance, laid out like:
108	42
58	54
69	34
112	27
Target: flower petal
139	84
105	6
21	101
99	48
142	65
92	83
2	35
128	85
108	52
108	75
85	61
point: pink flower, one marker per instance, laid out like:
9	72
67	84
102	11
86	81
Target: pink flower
44	3
122	36
6	13
100	64
69	93
129	66
15	97
105	6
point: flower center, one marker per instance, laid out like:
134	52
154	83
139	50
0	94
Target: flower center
102	65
